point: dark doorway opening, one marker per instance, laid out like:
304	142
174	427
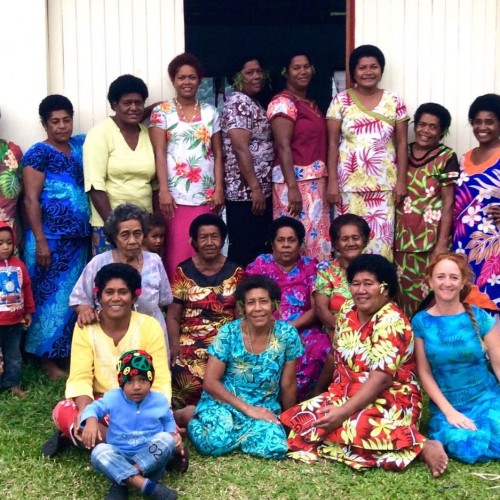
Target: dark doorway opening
221	31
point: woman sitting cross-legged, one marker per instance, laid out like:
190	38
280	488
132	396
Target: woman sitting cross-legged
451	345
250	377
96	348
369	415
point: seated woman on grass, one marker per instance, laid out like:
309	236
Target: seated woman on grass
369	415
249	379
96	348
452	339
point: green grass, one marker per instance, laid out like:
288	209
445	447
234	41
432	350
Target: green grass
24	474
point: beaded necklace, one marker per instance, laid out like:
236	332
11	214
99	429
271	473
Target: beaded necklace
271	328
181	110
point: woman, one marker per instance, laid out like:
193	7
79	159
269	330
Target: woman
203	288
424	221
57	237
367	149
299	173
477	198
250	377
124	228
370	413
118	157
187	144
295	274
349	235
452	341
96	348
248	160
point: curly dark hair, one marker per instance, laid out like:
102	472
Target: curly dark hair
54	102
185	59
285	221
130	275
206	220
126	84
258	281
434	109
365	51
123	213
295	53
349	220
486	102
377	265
152	221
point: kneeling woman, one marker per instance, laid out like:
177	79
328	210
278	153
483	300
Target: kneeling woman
96	348
369	415
250	371
452	365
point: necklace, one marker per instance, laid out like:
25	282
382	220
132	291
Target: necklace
181	110
271	328
137	264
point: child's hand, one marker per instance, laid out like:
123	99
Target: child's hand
27	320
178	442
91	433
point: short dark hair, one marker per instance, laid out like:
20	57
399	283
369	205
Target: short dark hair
239	62
152	221
117	270
257	281
206	220
365	51
486	102
434	109
122	213
54	102
295	53
126	84
185	59
285	221
349	220
377	265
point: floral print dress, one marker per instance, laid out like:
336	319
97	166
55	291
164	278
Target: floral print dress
385	433
296	289
367	167
417	221
475	234
218	428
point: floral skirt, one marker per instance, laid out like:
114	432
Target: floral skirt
314	215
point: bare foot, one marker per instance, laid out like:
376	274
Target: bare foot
184	416
435	457
53	371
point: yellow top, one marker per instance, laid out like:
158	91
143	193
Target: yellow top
94	357
110	165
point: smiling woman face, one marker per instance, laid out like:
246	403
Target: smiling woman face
116	299
258	308
299	72
447	281
368	73
368	293
350	243
486	128
428	132
186	82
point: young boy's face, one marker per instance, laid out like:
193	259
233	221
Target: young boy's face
153	241
6	244
137	388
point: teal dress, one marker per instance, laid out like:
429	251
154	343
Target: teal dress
218	428
460	369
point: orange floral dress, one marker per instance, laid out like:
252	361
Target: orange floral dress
208	303
385	433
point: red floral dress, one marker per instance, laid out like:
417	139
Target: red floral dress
385	433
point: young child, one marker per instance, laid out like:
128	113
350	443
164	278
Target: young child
141	438
155	234
16	308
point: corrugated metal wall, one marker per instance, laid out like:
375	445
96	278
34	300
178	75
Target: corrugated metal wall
444	51
92	42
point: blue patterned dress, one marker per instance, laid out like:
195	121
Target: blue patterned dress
219	428
459	366
65	213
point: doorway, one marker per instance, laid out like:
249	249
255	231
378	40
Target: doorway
220	31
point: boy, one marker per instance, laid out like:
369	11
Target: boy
154	237
141	437
16	307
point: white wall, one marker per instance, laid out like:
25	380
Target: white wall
24	80
92	42
445	51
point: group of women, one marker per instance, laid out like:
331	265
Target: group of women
295	312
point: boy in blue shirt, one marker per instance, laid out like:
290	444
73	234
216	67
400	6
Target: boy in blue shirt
141	438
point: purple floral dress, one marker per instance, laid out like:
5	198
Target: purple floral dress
296	288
